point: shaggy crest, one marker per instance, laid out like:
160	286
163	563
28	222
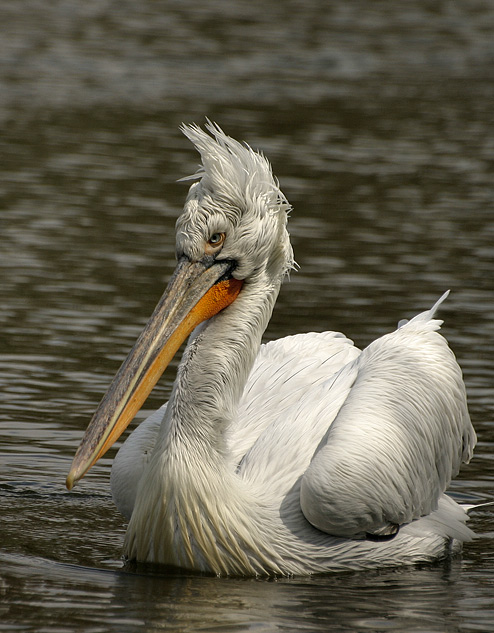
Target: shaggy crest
233	173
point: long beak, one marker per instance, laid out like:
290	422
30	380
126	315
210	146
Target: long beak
196	292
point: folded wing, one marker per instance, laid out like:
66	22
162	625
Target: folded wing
398	439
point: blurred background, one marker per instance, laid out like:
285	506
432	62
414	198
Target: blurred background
378	120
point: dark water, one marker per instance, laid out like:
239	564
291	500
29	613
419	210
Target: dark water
378	119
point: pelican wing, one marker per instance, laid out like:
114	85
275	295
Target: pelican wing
286	373
398	439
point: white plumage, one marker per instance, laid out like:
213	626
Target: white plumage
302	455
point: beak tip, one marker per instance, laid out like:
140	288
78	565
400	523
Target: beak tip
70	481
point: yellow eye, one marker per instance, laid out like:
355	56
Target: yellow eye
216	239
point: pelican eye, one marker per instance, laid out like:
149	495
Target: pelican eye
216	239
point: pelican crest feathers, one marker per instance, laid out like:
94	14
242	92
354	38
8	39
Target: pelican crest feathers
234	173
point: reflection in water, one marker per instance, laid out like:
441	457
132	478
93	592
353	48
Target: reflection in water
377	118
391	600
366	602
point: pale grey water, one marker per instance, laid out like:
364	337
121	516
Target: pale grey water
378	119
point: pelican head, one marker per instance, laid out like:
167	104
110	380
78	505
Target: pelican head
231	233
239	204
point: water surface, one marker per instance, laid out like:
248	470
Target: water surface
377	118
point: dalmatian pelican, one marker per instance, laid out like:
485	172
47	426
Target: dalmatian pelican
298	456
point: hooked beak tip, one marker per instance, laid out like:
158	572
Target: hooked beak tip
70	481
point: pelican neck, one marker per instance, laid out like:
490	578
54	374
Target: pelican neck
215	366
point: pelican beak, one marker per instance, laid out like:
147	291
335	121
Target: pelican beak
196	292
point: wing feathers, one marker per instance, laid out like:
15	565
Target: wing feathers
287	372
398	439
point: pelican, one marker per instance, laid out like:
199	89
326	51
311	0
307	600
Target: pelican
299	456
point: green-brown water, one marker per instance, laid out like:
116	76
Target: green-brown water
378	120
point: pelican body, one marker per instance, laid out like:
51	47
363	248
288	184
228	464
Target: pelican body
299	456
